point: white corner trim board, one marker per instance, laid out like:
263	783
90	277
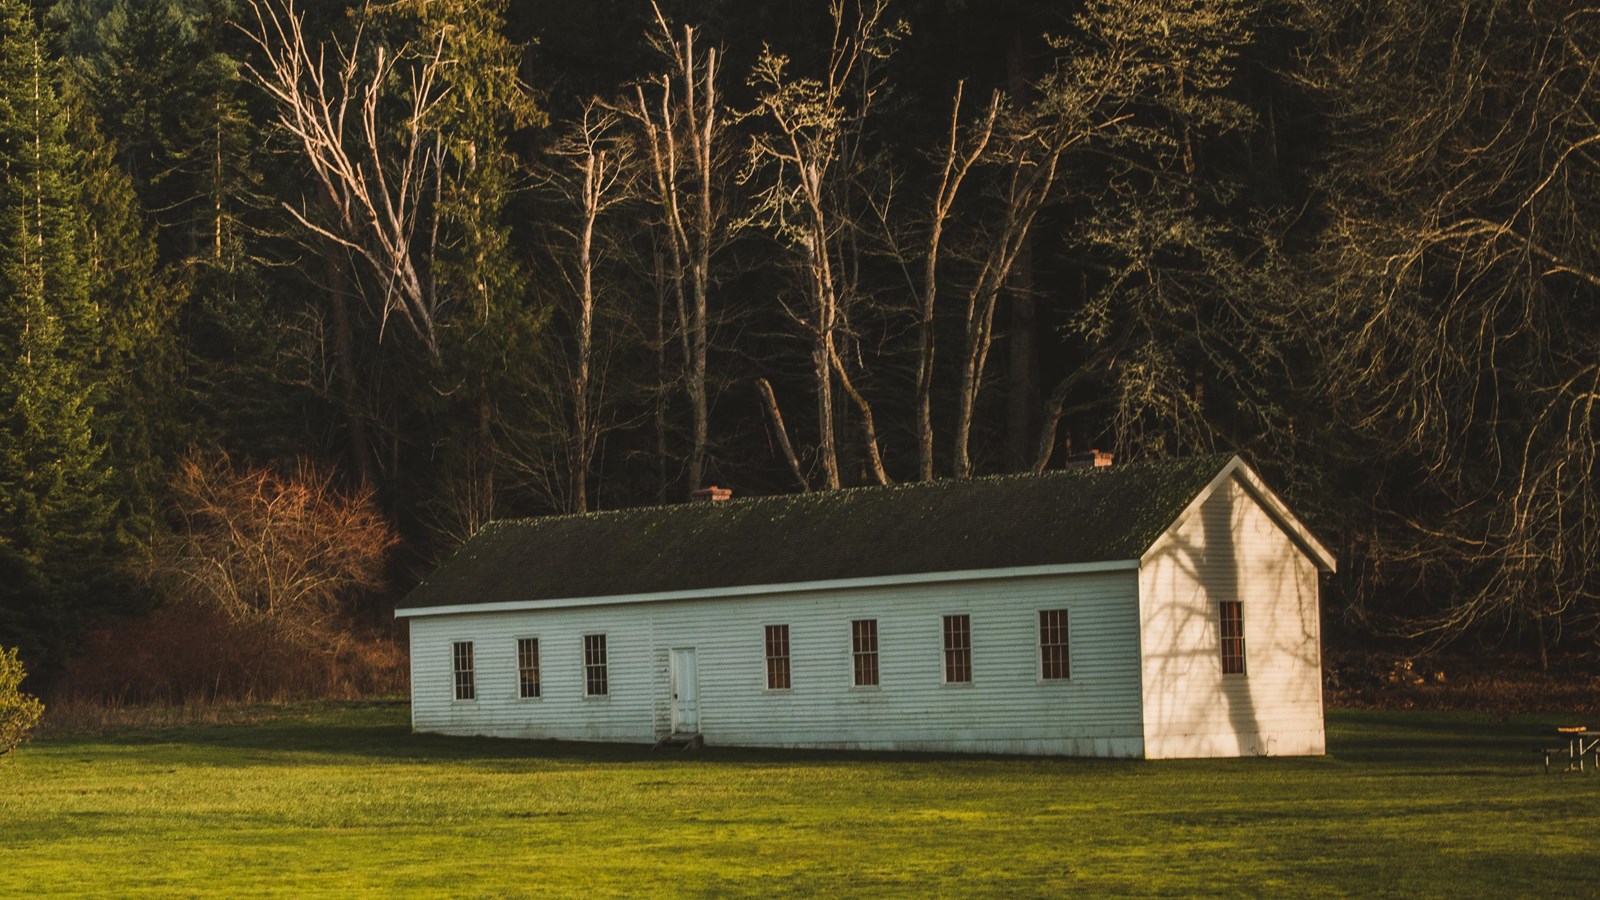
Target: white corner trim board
796	587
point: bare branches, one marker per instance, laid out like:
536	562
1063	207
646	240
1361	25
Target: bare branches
331	100
597	174
1457	278
680	116
961	153
796	162
257	545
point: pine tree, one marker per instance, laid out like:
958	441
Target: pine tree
136	363
170	175
158	76
55	520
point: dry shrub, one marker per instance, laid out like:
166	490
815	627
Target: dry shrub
185	654
259	579
287	551
81	717
1484	683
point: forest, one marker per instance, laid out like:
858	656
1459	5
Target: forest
296	295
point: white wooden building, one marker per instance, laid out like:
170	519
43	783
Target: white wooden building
1154	609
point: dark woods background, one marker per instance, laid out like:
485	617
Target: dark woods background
295	298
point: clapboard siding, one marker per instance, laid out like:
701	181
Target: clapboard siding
1231	549
1006	708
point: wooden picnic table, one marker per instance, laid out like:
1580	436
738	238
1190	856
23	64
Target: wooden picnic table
1581	741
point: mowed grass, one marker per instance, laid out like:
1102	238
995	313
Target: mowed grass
344	800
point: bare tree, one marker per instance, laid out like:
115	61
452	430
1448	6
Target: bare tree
1453	298
1032	156
594	174
685	141
961	152
797	160
377	177
1029	153
257	545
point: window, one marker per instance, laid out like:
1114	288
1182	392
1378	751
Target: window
594	666
957	649
864	651
466	687
1232	638
777	657
527	668
1055	657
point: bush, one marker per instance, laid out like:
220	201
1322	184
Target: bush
285	550
184	653
19	712
260	578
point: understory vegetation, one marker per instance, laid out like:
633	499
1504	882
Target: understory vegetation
402	268
342	798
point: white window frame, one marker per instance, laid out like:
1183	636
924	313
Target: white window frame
605	665
1038	643
944	651
767	658
538	667
457	671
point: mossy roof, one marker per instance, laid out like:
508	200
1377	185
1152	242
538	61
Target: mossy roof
1073	516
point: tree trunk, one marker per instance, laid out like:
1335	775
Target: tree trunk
823	350
827	448
869	422
662	379
344	371
771	399
1544	647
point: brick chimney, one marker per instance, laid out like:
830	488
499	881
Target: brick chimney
1090	459
711	494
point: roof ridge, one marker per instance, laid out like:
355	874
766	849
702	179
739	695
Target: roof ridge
947	481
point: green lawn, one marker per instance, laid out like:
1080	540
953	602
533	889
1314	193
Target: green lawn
343	800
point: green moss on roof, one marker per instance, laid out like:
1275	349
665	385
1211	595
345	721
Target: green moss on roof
1071	516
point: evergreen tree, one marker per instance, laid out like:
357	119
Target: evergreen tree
166	91
55	520
136	362
491	341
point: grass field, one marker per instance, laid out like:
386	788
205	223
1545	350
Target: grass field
344	800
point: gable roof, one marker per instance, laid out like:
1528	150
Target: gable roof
1294	529
1075	516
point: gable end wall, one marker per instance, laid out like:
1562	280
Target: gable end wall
1231	549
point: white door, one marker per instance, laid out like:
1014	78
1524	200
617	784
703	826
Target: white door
685	693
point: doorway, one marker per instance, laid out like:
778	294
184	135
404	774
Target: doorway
685	692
